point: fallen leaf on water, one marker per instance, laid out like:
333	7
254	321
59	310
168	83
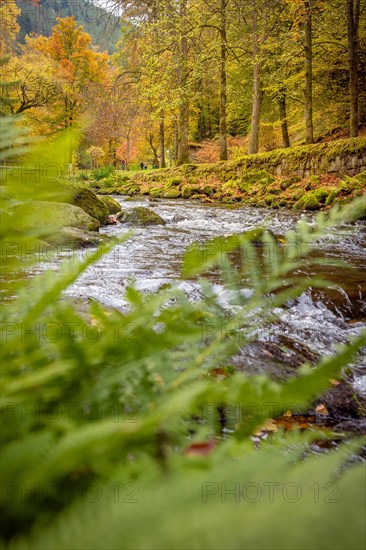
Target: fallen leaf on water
322	409
200	449
268	426
218	372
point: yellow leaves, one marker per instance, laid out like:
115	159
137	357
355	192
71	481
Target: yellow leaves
9	13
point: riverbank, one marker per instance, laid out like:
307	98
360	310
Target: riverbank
264	180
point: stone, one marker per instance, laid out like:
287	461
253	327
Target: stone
75	237
52	216
172	194
140	216
321	194
307	202
87	200
80	196
112	204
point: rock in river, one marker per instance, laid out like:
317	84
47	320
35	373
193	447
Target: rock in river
112	204
49	217
140	216
75	237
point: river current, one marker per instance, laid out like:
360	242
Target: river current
311	325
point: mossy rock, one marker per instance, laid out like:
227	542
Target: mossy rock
112	204
308	202
173	182
332	196
74	237
274	188
257	176
312	182
88	201
283	203
133	190
198	197
297	194
361	177
49	217
356	182
321	194
187	191
345	188
172	194
188	168
269	199
156	192
141	216
80	196
286	183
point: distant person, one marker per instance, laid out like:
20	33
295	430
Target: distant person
123	164
142	166
145	166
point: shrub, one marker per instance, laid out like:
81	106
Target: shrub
103	172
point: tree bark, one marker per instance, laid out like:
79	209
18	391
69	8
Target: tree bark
162	163
257	89
183	120
175	140
309	127
353	17
283	117
223	82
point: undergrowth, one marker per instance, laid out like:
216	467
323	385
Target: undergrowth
111	434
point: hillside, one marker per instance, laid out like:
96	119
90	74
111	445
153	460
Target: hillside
101	25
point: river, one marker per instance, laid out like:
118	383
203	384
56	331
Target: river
309	327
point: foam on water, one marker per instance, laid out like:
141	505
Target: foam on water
152	259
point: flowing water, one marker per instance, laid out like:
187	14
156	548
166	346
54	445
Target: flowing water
309	327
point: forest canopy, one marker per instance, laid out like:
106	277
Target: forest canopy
208	79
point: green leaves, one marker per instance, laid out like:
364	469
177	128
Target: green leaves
109	403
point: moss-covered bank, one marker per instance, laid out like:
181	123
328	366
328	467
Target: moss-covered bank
255	179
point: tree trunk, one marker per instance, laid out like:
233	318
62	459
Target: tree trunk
283	117
309	127
353	17
127	151
183	122
257	89
162	163
223	84
175	140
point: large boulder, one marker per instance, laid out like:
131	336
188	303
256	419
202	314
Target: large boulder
140	216
78	195
49	217
75	237
112	204
307	202
87	200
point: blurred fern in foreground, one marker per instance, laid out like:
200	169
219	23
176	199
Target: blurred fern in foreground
103	412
